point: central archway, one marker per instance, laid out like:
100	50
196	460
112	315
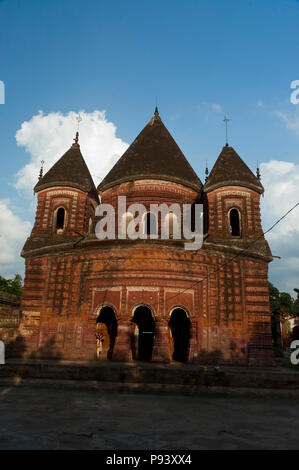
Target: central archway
143	335
180	327
107	326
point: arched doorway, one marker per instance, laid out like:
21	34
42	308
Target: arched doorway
143	333
107	326
179	325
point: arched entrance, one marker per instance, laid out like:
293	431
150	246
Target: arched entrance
107	326
143	333
180	327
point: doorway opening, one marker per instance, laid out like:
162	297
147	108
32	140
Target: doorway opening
106	327
180	327
143	334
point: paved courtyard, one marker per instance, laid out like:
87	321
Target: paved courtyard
56	418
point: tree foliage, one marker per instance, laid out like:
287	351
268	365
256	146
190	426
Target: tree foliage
283	300
13	286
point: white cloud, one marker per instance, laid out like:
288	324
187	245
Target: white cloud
291	120
48	137
216	107
281	182
13	233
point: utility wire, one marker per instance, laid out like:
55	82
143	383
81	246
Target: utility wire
237	255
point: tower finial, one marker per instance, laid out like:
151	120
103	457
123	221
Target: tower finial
226	120
207	170
156	108
79	119
258	174
41	170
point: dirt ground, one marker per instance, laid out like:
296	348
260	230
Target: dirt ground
57	418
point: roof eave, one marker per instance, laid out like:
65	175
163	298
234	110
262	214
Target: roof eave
210	187
103	187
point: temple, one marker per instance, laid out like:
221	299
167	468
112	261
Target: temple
147	299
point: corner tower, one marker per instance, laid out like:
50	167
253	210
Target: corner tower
233	195
67	199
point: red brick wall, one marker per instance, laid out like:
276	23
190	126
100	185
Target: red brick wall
226	301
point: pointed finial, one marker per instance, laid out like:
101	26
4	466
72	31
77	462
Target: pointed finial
76	139
226	120
41	170
156	111
207	170
258	174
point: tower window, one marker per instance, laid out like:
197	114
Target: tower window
150	224
60	220
234	221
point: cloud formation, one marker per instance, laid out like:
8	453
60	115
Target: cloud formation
281	182
48	137
13	233
291	120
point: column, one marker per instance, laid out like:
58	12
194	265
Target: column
193	347
122	350
161	348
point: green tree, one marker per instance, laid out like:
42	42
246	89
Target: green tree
13	286
296	302
274	297
286	302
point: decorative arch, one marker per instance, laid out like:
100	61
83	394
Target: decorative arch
234	221
182	307
134	308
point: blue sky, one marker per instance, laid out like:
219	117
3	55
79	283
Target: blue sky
202	59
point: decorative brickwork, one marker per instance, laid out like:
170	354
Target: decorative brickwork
210	305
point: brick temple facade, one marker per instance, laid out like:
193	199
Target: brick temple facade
151	300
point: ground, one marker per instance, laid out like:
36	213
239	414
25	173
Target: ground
47	417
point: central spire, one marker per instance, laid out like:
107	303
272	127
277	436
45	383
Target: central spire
152	155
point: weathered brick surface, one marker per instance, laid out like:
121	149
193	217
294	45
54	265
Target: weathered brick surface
67	284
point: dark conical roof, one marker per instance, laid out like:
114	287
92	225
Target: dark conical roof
153	155
70	170
230	170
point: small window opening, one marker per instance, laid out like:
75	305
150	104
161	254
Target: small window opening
60	218
150	224
234	220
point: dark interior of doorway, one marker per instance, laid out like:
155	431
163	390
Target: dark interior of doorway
107	316
180	328
146	330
